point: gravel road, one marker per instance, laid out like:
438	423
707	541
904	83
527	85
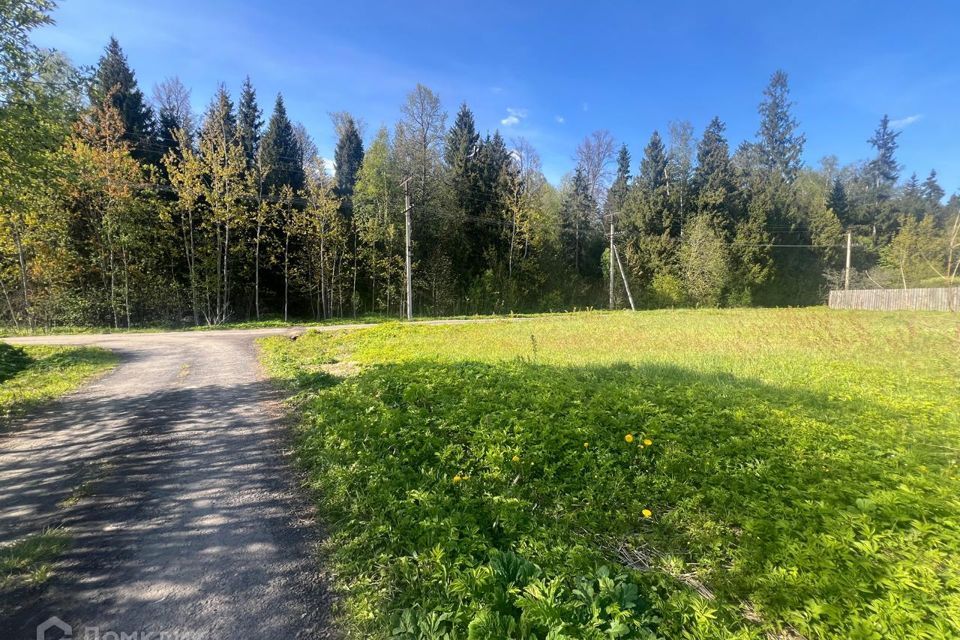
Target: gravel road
172	476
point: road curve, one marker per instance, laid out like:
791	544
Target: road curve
171	475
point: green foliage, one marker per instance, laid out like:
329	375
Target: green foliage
478	481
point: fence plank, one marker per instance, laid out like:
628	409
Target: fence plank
931	299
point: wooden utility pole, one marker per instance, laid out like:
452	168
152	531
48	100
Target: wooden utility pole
409	266
611	260
846	271
624	276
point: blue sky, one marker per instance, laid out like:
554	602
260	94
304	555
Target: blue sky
555	71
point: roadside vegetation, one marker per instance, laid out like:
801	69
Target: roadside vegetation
37	373
675	474
29	562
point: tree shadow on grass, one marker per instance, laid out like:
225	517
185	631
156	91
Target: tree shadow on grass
13	360
777	497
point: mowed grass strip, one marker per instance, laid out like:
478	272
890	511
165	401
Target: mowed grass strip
674	474
34	374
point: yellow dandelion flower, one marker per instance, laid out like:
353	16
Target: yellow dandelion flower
516	458
647	513
628	437
586	444
457	479
647	441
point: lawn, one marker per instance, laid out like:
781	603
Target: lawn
33	374
664	474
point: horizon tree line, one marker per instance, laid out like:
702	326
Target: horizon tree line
122	210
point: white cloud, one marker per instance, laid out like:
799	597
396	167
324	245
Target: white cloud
514	116
903	123
560	119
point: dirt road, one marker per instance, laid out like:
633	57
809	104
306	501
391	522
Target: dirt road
170	475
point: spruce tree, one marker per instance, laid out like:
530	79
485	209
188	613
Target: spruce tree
837	202
884	170
220	122
932	191
653	167
348	157
114	79
617	196
249	122
460	156
779	142
280	154
713	177
578	210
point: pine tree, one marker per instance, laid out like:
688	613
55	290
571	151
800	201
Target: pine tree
617	196
653	167
249	122
837	202
578	211
779	142
932	191
348	157
280	154
460	156
220	121
884	170
713	177
115	80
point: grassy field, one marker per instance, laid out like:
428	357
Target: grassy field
34	374
665	474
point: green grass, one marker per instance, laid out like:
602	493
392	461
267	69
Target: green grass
34	374
266	323
802	478
30	561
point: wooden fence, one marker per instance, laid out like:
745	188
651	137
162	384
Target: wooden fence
934	299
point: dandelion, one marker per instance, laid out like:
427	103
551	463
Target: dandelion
516	458
457	479
628	437
647	513
647	441
586	444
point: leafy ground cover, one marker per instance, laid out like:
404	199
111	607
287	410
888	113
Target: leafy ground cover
36	373
674	474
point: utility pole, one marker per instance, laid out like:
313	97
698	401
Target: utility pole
611	260
406	214
846	272
624	276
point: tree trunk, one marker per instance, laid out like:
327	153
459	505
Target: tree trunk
256	271
22	263
286	272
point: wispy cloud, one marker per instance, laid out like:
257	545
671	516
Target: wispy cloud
903	123
514	116
559	119
585	106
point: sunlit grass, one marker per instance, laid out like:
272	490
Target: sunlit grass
34	374
801	478
29	561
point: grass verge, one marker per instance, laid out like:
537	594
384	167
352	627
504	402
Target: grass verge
28	562
676	474
34	374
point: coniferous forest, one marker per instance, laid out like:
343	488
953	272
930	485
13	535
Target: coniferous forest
125	209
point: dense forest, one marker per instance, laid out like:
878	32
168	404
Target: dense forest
121	209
